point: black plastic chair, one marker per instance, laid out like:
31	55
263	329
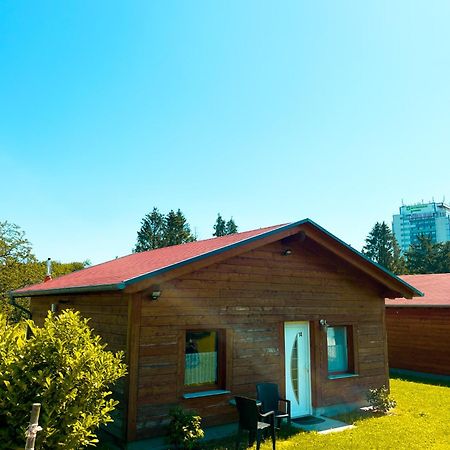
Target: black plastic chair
250	420
269	395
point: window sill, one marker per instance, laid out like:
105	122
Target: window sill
342	375
206	393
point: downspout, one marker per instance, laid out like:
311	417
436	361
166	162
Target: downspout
13	302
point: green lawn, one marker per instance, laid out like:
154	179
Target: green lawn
421	420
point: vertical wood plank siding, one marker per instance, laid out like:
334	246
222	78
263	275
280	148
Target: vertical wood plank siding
251	296
418	339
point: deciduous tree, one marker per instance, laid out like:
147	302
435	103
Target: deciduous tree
19	267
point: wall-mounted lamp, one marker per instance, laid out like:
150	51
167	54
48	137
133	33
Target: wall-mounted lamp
155	292
287	252
324	323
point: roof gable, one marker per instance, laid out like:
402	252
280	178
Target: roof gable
139	267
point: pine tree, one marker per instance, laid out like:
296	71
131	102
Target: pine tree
220	227
443	260
231	227
159	230
382	247
423	256
151	234
177	230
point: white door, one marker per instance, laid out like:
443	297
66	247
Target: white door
298	373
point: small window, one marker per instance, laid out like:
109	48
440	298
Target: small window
202	359
340	350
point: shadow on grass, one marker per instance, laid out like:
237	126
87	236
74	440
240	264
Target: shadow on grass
229	443
421	378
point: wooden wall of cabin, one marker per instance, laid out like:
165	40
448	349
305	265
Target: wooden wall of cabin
418	339
108	313
250	297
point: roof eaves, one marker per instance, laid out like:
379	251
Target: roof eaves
216	251
69	290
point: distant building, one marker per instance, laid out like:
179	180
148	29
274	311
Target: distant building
431	219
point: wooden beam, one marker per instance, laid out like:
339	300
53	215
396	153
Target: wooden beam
133	338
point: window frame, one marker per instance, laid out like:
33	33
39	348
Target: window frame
351	351
221	361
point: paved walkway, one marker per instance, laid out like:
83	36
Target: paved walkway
327	426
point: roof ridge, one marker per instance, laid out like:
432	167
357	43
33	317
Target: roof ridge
211	238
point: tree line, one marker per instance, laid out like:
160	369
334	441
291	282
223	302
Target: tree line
163	230
423	256
20	267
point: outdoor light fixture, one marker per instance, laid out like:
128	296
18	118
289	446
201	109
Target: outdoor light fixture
324	323
287	252
155	295
155	292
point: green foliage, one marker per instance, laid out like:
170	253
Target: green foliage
19	267
151	234
177	230
159	230
426	256
64	367
231	227
222	228
380	400
184	429
382	247
17	262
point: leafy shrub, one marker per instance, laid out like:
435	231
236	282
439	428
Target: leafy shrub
184	428
64	367
380	400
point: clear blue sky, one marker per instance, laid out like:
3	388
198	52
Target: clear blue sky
269	112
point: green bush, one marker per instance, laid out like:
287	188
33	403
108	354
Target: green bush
380	400
64	367
184	428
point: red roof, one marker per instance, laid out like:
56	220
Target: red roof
435	286
121	270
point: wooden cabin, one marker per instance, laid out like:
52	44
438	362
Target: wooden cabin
204	321
418	330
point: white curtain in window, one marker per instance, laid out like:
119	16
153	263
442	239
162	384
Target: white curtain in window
337	349
200	368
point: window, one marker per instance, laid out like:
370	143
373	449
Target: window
340	350
203	359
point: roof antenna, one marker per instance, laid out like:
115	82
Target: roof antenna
48	276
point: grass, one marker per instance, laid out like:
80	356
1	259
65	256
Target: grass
421	420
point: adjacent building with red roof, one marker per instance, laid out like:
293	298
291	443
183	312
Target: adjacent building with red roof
205	321
419	329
